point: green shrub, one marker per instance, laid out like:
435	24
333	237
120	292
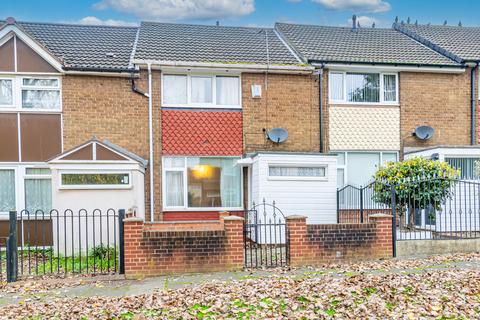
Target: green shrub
419	183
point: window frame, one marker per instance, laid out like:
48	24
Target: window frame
382	88
191	104
12	105
297	178
18	87
94	186
184	171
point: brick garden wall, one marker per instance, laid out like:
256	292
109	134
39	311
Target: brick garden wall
165	248
318	244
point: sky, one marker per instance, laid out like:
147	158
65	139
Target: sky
257	13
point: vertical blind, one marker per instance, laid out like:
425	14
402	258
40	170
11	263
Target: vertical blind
469	167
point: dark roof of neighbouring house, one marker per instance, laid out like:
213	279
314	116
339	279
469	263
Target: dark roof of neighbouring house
362	45
461	42
212	44
85	47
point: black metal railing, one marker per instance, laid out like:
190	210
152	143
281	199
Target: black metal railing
437	208
265	237
66	242
355	204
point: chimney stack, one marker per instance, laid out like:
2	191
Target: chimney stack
354	22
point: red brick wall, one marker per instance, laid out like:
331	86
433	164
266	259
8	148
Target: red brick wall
157	249
317	244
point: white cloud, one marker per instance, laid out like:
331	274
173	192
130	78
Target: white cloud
356	5
91	20
171	10
364	21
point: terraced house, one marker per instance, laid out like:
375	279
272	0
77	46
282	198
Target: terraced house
182	122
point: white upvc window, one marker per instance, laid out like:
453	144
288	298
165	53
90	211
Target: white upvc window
95	180
202	183
357	168
33	93
201	90
296	172
362	88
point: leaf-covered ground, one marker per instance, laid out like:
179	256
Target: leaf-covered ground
446	287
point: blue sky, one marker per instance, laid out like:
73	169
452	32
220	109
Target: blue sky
243	12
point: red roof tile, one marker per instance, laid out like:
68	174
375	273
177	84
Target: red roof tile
202	133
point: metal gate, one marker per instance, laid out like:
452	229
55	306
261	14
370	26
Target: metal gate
265	237
69	242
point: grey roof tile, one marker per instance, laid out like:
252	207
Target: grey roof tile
84	46
463	42
202	43
365	45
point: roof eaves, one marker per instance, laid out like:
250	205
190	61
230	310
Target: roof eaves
402	29
373	63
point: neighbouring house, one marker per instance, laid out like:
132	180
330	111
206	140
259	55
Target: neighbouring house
379	85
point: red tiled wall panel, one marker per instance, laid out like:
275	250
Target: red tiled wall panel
202	133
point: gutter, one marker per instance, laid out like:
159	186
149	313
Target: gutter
398	66
231	66
94	69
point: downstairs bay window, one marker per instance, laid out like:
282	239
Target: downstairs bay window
201	183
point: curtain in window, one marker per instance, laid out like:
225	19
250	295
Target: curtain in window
277	171
336	86
174	188
363	87
174	89
7	190
201	90
390	87
40	82
230	184
228	91
41	99
6	92
38	195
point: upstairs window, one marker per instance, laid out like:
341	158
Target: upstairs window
200	91
30	93
363	88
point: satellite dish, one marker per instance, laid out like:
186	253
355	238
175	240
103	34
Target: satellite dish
277	135
424	132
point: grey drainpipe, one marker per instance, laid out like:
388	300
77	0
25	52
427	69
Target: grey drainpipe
320	103
473	104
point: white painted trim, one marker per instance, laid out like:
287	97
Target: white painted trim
189	75
6	39
387	68
15	52
32	44
151	144
227	66
103	74
59	159
19	136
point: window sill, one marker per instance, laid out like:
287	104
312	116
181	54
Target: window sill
372	104
183	209
199	106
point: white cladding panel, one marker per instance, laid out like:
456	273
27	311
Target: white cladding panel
313	198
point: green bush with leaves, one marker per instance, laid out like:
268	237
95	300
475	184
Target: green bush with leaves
419	183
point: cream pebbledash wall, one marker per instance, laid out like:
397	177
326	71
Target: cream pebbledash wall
355	127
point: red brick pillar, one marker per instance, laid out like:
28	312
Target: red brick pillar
234	247
384	242
135	258
298	250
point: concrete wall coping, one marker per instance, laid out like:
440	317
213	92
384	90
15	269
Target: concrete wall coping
295	217
380	215
183	222
233	218
133	219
